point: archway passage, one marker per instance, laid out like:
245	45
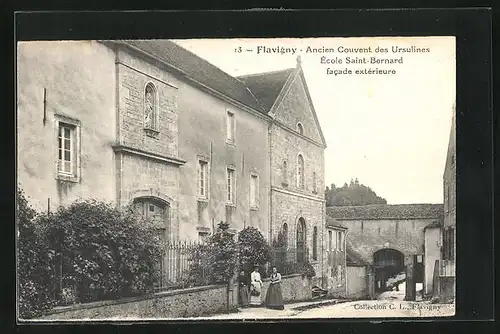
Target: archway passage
388	266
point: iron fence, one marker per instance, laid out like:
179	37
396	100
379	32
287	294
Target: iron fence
183	265
289	261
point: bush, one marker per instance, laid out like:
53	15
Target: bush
308	270
103	252
253	249
33	263
215	262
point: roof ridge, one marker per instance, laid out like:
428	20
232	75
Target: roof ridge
263	73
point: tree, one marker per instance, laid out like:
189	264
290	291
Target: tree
215	261
33	262
353	193
253	248
224	254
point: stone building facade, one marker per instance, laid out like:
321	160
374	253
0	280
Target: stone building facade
387	237
446	267
149	124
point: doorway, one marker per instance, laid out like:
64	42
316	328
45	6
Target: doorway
388	266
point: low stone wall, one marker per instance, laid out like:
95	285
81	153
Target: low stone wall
357	282
171	304
294	288
446	288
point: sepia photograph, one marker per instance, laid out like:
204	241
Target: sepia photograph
236	179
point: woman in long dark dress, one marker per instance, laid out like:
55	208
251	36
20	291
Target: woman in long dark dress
274	297
243	290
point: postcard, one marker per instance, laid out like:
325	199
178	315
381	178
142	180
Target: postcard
256	178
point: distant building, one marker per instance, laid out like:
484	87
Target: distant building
335	262
150	124
388	238
446	267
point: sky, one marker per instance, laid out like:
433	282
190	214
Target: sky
389	131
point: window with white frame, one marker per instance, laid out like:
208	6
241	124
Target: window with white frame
230	185
202	179
254	191
66	139
230	127
300	171
68	148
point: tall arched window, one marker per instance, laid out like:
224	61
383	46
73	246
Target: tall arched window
301	241
285	174
315	243
300	128
150	107
285	235
300	171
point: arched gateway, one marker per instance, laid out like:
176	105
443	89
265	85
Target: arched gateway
387	263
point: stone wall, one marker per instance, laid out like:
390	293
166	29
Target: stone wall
184	303
369	236
293	287
357	282
191	302
79	81
133	75
203	136
295	108
432	253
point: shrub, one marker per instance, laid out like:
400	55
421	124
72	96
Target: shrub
215	261
102	252
308	270
33	263
253	249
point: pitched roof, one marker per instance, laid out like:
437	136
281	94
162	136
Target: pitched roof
257	91
332	222
267	86
353	257
386	211
197	69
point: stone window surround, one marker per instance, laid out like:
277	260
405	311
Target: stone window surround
230	114
257	192
284	181
300	128
231	203
205	159
152	132
60	119
300	181
334	245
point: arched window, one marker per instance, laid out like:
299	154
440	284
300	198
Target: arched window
285	174
301	241
315	243
150	107
315	187
285	235
300	171
300	128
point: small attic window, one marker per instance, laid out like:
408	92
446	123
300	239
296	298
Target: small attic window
300	128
